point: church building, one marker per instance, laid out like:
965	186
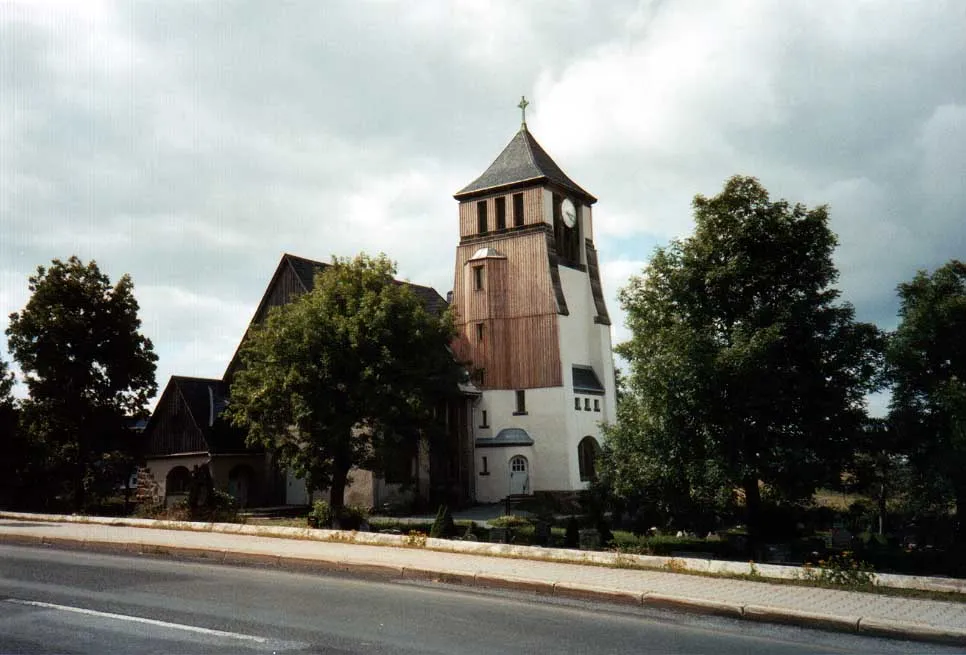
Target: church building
533	324
533	331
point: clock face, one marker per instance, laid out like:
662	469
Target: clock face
568	212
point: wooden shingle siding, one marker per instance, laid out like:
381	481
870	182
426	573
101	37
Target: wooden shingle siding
532	211
528	288
175	431
286	288
518	308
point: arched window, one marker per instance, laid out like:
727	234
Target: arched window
177	481
587	452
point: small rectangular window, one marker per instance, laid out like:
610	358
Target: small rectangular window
485	471
477	277
518	209
481	222
479	332
596	405
501	213
521	402
484	424
577	403
586	404
481	376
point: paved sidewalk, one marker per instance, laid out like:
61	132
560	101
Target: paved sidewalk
867	613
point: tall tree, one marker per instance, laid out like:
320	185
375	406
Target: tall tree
327	378
927	364
14	456
744	368
88	370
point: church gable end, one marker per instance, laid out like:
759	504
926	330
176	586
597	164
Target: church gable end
172	429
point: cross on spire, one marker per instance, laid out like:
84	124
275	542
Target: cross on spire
523	109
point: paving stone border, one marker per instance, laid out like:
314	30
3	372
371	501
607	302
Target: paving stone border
563	555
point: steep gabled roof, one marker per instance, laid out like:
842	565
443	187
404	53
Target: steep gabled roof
304	270
190	408
523	160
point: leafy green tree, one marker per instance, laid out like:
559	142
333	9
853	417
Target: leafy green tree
327	379
14	454
927	365
744	368
88	369
878	467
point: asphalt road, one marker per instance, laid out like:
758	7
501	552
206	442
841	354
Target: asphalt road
62	601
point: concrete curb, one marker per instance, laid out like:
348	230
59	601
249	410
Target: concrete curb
562	555
869	626
913	631
693	605
804	619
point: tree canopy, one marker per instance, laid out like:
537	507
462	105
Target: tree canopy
88	370
744	367
927	366
327	379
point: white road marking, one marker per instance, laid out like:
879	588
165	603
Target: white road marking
139	619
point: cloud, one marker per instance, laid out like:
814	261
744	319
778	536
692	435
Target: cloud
192	144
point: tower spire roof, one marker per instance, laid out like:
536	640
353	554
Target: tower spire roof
522	160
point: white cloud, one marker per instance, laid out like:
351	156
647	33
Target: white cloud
192	144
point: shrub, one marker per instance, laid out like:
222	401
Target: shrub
443	526
415	539
511	521
149	510
220	508
843	570
352	517
320	516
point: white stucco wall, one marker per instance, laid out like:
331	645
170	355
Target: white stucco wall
545	422
158	468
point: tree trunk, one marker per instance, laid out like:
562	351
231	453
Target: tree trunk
959	536
882	508
80	495
752	513
337	494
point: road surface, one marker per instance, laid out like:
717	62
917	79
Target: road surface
67	601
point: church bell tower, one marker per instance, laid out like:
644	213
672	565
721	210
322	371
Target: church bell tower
532	323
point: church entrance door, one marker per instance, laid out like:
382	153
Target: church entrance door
519	476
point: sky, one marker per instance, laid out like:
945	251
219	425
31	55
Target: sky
191	144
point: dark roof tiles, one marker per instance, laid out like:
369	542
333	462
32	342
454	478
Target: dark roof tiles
522	160
506	437
306	269
206	399
586	380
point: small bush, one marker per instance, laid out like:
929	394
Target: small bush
416	539
320	516
352	517
511	521
220	508
843	570
149	510
443	526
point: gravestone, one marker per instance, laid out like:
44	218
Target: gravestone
589	539
499	535
541	533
